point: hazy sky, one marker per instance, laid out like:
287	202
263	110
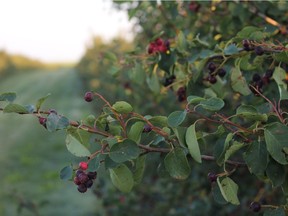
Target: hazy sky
57	30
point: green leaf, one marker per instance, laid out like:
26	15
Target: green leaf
122	178
176	118
238	82
139	170
212	104
176	164
233	149
231	49
122	107
136	131
56	122
138	74
276	140
81	135
276	173
109	163
153	83
247	31
181	43
192	143
274	212
279	76
281	57
218	197
8	96
75	147
41	101
245	64
251	113
110	56
222	149
194	99
229	190
15	108
256	158
66	173
160	121
95	163
124	151
180	133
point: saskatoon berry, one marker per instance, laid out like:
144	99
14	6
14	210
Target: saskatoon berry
211	67
221	72
181	98
169	80
88	96
259	50
89	183
246	45
76	180
92	175
212	177
159	42
194	6
212	79
83	178
269	73
82	188
42	121
147	128
256	77
259	84
255	206
83	165
78	172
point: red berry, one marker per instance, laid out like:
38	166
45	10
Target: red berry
159	42
76	180
42	120
88	96
83	165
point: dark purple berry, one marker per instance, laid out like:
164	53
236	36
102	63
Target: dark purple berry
169	80
212	79
92	175
89	183
78	172
181	98
256	77
269	73
221	72
83	178
255	206
246	45
259	50
147	128
211	67
212	177
82	188
259	84
88	96
76	180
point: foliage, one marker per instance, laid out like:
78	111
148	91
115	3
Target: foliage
230	80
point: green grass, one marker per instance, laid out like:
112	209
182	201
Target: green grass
31	157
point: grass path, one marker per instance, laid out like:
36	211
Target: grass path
31	157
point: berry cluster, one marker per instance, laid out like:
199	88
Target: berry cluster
249	46
181	93
213	72
159	45
82	179
258	82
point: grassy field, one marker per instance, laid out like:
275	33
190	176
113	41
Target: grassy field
31	157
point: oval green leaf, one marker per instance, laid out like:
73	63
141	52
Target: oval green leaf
212	104
176	164
176	118
75	147
122	178
229	190
122	107
192	143
66	173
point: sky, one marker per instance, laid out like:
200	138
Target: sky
58	30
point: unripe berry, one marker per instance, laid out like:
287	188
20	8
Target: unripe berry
255	206
88	96
82	188
83	165
212	177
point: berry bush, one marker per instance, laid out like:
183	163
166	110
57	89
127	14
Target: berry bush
218	143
